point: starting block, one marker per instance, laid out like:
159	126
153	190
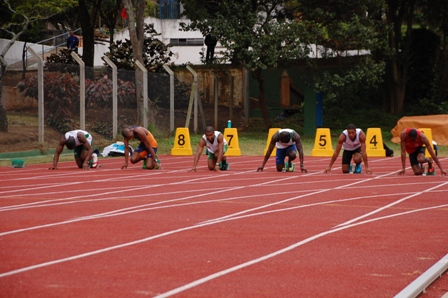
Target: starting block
427	173
227	166
288	168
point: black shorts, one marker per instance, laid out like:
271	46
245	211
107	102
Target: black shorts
348	154
413	155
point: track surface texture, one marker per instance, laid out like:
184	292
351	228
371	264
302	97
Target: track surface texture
109	232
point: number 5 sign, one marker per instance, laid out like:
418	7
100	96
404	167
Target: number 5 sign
322	143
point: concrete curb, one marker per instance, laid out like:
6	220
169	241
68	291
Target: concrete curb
22	154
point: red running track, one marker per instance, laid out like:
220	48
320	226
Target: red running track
109	232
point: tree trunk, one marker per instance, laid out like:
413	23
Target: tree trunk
88	23
135	10
24	60
399	12
261	98
3	117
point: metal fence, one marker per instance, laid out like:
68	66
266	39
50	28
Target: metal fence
103	100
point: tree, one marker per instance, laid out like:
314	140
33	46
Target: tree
22	15
255	34
109	12
342	29
155	52
88	15
435	13
135	10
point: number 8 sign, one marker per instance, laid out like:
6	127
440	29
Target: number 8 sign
182	145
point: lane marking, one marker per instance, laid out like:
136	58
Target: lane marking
294	198
218	274
281	251
391	204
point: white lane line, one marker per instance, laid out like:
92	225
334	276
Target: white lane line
122	189
294	198
391	204
281	251
213	276
142	208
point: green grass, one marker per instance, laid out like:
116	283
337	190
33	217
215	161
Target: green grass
251	144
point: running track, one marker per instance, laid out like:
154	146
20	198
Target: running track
109	232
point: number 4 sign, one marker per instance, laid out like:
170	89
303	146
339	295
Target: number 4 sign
374	143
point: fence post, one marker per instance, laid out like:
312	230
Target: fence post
82	91
195	106
215	95
246	95
114	96
168	70
40	95
145	93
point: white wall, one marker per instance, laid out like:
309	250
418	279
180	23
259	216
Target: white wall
14	54
168	29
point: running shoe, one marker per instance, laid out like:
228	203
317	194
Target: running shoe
292	167
358	169
158	164
431	169
94	161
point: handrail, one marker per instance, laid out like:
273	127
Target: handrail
55	46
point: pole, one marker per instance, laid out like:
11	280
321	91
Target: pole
145	92
114	97
168	70
82	91
40	95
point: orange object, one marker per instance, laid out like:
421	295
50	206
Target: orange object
437	123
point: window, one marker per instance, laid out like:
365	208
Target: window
186	42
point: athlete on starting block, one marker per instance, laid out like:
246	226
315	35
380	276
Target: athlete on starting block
353	141
413	141
80	141
287	142
216	148
145	151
